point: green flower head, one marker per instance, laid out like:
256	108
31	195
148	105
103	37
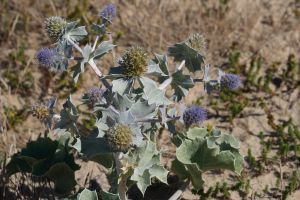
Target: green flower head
134	62
120	137
197	42
55	26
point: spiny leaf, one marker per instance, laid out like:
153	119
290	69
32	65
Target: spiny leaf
182	51
181	84
68	117
146	160
211	152
152	93
62	176
102	49
87	194
121	86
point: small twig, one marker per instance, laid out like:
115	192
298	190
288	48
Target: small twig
14	25
281	179
179	192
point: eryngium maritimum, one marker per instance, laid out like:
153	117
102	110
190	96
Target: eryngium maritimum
197	42
194	115
55	26
108	13
134	62
48	58
40	111
230	81
95	95
120	137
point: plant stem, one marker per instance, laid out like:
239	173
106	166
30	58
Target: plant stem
121	184
179	192
95	68
95	43
165	83
74	44
181	65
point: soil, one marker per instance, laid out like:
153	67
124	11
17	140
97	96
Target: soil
270	29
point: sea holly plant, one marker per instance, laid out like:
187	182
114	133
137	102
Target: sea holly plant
131	106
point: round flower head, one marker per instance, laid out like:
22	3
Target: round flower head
197	42
194	115
55	26
134	62
108	13
120	137
44	111
40	111
94	95
51	59
230	81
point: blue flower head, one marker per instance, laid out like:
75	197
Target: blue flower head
108	13
230	81
95	95
51	59
194	115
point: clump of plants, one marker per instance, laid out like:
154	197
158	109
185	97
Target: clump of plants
130	107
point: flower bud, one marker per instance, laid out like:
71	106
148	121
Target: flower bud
55	26
194	115
134	62
120	137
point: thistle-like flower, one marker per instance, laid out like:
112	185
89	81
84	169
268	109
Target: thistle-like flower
197	42
108	13
94	96
120	137
51	59
55	26
134	62
40	111
230	81
44	111
194	115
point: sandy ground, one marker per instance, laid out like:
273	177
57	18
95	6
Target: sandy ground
267	28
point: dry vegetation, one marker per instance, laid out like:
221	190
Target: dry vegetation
258	39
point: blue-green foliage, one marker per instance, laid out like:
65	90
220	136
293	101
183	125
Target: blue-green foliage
133	99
